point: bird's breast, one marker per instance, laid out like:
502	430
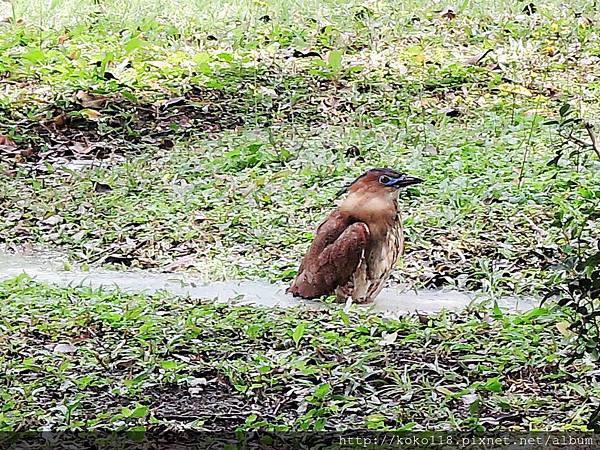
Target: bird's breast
385	251
376	263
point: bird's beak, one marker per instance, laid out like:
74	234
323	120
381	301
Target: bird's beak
405	180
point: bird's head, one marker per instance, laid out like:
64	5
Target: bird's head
381	181
372	197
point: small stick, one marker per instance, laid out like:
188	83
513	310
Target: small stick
590	131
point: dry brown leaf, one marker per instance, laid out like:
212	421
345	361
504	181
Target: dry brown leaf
448	13
5	141
563	328
427	102
27	153
584	22
61	120
184	262
91	100
166	143
80	148
90	114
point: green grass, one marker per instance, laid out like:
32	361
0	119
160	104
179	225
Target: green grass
81	359
206	138
211	139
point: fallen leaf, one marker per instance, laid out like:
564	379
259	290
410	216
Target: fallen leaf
197	382
268	92
61	120
563	328
469	398
79	235
91	114
388	339
159	64
80	148
448	13
64	348
515	89
172	102
5	141
27	153
62	39
101	188
91	100
425	102
444	390
584	22
430	149
53	220
194	391
185	262
166	144
536	112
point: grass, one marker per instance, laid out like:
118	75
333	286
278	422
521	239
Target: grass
214	137
79	359
223	145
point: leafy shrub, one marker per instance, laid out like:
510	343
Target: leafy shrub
580	291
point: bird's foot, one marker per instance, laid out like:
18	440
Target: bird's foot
348	304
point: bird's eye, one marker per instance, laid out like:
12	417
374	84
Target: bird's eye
384	179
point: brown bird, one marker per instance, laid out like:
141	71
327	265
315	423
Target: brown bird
357	245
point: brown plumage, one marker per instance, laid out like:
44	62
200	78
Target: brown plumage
357	245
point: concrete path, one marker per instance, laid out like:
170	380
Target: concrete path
395	301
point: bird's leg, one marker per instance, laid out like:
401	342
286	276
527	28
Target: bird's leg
348	304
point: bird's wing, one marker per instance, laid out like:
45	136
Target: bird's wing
332	258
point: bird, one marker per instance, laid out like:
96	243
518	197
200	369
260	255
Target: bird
355	248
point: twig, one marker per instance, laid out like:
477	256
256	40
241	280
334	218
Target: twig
574	139
594	145
527	145
590	131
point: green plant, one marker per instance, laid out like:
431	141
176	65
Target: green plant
574	130
579	291
580	295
